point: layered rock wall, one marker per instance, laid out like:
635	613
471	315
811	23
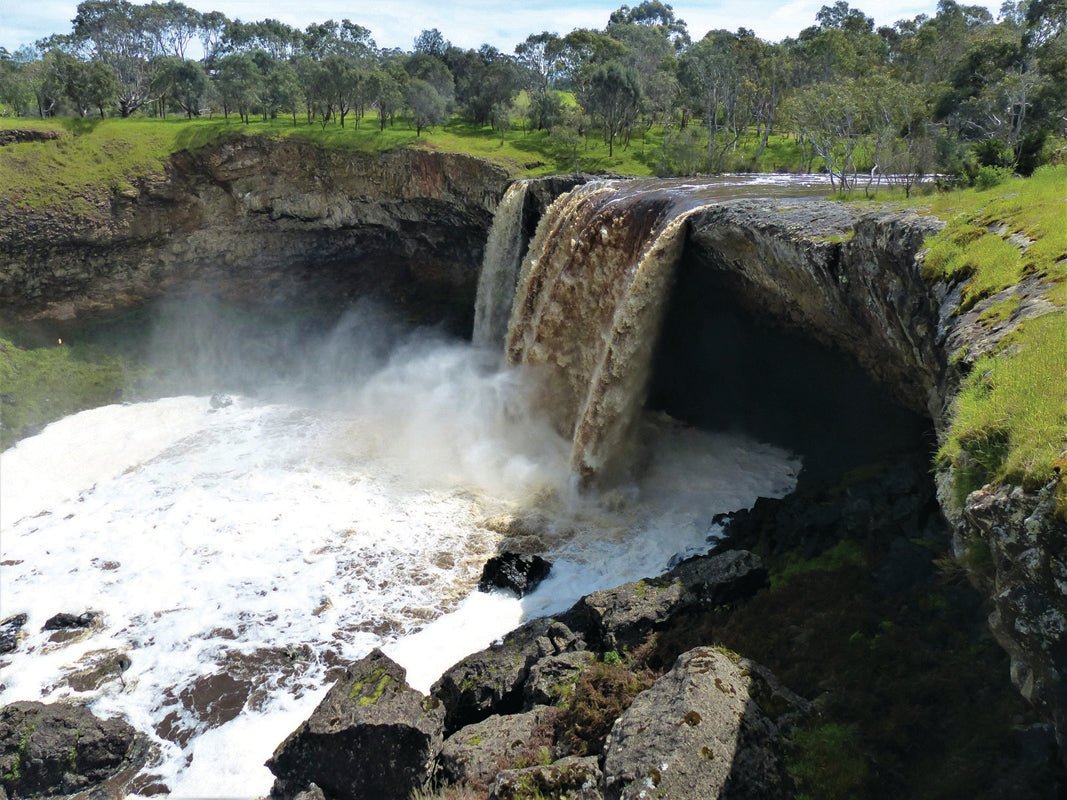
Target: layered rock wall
259	219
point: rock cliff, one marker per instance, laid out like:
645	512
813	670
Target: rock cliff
252	218
852	280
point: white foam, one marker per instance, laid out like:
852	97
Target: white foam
271	540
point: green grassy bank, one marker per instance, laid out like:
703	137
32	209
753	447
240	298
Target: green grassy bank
92	157
1009	423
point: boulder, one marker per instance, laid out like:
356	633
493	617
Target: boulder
64	622
624	616
371	736
710	728
552	679
519	573
491	680
11	632
59	749
570	778
476	753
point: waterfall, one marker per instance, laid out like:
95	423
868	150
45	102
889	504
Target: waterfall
500	268
589	305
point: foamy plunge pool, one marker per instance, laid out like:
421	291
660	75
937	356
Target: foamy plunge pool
238	554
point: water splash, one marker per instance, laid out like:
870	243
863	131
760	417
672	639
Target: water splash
500	269
589	307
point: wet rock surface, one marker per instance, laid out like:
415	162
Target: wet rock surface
11	631
59	749
516	572
624	616
491	680
701	732
371	736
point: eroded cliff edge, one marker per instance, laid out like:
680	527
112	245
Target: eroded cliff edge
853	280
253	218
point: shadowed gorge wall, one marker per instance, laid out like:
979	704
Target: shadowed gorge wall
721	366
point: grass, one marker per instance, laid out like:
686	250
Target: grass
92	158
1009	423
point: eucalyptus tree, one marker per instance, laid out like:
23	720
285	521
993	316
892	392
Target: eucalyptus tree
240	84
172	26
427	106
656	15
711	71
540	56
385	88
614	99
16	95
187	84
278	40
432	43
87	85
116	33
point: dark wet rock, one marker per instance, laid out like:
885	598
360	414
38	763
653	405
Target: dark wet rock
220	401
58	749
491	680
62	622
570	778
625	615
515	571
1014	547
372	736
11	632
710	728
312	792
552	678
905	566
476	753
95	669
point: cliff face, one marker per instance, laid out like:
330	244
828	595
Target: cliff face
259	219
853	281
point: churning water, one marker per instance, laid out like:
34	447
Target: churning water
342	496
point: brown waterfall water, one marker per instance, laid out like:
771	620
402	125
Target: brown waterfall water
590	300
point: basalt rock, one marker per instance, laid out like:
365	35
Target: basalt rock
624	616
371	736
476	753
516	572
252	219
711	728
570	778
1014	547
11	631
59	749
491	680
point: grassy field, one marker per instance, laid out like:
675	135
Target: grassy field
1010	418
92	157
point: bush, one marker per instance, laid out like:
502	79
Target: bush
988	177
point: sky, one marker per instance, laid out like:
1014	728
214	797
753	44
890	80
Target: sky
470	23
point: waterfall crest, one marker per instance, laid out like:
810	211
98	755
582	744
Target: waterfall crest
589	305
500	269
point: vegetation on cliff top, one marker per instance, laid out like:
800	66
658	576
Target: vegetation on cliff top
91	158
1009	422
